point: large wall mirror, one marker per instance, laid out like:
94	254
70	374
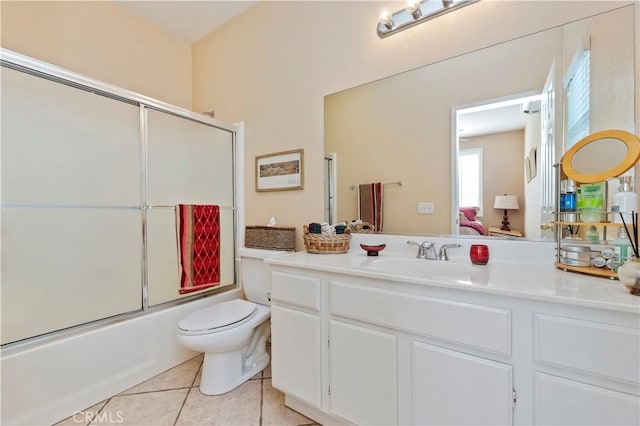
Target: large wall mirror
508	102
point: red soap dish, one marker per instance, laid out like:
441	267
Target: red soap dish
372	250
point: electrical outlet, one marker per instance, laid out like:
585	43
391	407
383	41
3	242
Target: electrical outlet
425	208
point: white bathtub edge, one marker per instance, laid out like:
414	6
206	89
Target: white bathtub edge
48	383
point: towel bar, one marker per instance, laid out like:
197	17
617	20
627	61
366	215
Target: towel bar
399	183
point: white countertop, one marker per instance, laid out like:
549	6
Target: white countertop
540	281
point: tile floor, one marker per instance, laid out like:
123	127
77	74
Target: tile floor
173	398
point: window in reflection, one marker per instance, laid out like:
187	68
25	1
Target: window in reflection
577	90
470	183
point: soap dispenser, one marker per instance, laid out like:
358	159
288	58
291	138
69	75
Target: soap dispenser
624	201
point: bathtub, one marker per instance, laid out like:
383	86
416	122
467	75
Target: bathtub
43	383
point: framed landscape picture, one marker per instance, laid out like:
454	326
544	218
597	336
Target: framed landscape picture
280	171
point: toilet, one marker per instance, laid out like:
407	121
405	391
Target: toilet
233	334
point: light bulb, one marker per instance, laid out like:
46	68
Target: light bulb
413	7
385	19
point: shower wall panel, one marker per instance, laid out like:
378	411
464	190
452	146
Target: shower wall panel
62	267
67	147
187	163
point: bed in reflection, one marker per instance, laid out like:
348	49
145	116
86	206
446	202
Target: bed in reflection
468	223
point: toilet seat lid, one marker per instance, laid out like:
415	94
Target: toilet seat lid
218	316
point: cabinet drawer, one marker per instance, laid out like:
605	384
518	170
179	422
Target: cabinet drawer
602	349
299	290
477	326
565	402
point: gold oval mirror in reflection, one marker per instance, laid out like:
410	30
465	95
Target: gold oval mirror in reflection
601	156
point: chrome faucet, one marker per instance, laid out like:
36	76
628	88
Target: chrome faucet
424	248
443	250
427	247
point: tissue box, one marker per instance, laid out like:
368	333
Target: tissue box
270	238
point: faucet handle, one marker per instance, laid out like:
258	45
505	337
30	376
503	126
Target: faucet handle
443	250
422	248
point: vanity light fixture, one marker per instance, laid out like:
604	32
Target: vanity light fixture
415	12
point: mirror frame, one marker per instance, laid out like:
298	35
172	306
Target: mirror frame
633	154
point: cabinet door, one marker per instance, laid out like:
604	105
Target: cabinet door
452	388
567	402
295	350
363	374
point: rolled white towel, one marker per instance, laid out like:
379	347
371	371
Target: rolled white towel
328	229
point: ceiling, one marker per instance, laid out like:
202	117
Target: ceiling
497	120
188	20
499	117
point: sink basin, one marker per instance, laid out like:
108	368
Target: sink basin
421	268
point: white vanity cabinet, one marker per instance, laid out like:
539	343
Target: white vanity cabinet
587	372
357	349
352	350
406	334
361	380
295	336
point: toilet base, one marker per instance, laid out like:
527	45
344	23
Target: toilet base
224	371
221	371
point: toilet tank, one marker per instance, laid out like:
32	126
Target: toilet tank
255	274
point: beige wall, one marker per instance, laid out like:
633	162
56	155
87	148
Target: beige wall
102	41
503	165
272	66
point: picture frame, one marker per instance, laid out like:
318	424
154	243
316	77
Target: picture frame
533	162
280	171
527	168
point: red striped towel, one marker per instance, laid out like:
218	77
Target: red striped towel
198	228
370	204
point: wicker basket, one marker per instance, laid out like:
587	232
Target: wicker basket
363	228
270	238
326	244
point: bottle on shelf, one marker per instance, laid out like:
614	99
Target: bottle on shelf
592	235
570	197
590	201
622	247
563	195
624	201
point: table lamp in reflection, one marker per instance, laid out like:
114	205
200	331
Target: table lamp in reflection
506	202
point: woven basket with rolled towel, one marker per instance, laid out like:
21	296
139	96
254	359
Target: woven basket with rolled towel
363	228
326	244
